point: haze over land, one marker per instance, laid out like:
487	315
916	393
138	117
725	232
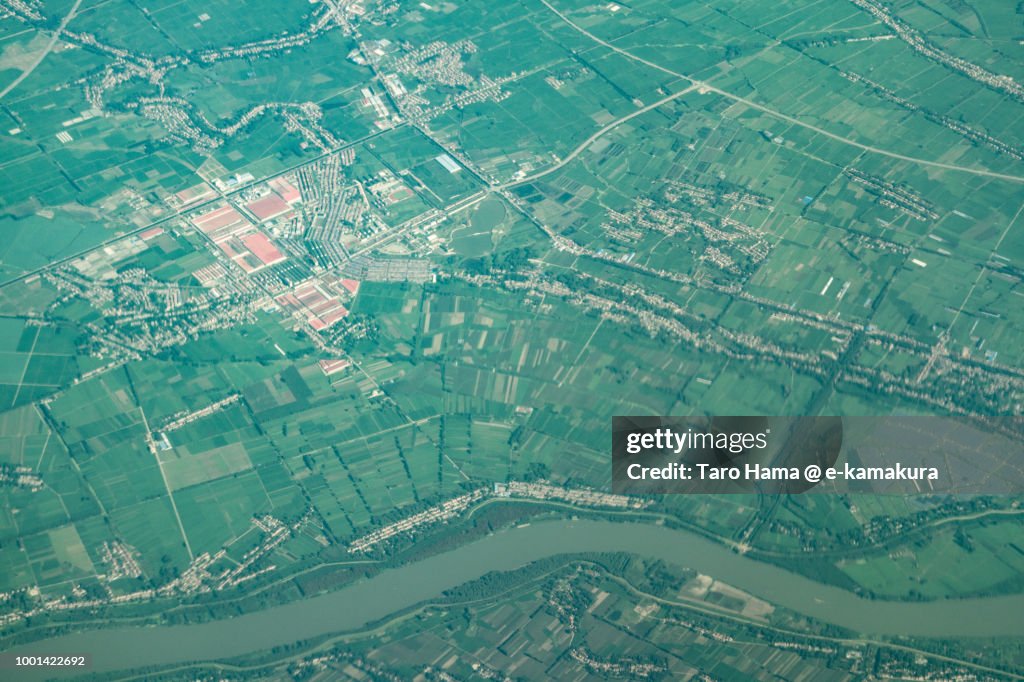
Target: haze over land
296	293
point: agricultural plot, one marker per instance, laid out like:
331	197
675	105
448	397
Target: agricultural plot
274	281
41	359
438	177
952	562
216	512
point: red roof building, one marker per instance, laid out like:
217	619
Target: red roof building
268	207
287	190
221	223
263	248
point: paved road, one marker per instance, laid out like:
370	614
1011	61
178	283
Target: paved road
189	209
704	87
39	60
590	140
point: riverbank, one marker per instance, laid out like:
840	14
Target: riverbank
396	589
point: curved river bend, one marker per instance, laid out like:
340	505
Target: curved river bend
399	588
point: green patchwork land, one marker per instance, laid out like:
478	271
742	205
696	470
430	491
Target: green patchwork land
293	293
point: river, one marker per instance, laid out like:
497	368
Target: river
395	589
